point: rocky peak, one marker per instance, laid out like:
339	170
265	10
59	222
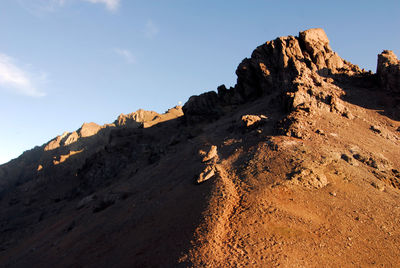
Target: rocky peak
89	129
135	118
388	71
276	67
318	51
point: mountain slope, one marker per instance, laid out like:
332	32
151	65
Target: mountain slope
297	165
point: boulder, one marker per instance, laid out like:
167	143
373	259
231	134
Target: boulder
207	174
212	154
253	120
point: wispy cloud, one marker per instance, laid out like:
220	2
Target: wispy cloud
111	5
15	78
38	7
126	54
151	29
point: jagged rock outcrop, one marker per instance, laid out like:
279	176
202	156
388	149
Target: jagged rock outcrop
135	119
388	71
68	138
276	67
145	119
207	106
89	129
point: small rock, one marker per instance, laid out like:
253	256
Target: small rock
346	158
332	194
309	178
207	174
378	186
252	120
375	129
85	201
348	115
212	153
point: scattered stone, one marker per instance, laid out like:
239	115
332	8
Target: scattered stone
332	194
212	154
308	178
253	120
375	129
378	186
366	160
348	115
346	158
207	174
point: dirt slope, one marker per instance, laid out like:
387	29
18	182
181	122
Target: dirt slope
298	165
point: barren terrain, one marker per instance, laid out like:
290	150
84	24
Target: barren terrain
298	165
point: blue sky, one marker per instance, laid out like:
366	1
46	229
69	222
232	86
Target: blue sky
65	62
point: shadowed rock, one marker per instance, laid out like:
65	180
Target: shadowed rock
388	71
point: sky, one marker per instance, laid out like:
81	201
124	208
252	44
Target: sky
65	62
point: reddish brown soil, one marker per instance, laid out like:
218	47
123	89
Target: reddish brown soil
317	185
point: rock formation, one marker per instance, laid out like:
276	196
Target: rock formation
273	69
388	71
297	165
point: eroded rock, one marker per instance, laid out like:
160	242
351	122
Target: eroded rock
205	107
253	120
207	174
309	178
388	71
212	154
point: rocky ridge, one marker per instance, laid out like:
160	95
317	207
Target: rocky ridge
89	139
295	165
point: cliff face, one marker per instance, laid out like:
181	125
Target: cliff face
295	165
